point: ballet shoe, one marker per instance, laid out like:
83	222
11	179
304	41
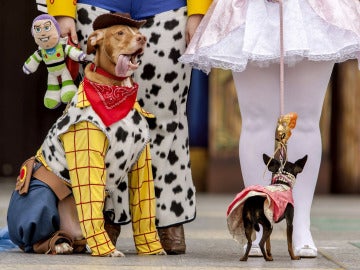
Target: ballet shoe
306	251
255	251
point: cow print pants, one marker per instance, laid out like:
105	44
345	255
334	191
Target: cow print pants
163	90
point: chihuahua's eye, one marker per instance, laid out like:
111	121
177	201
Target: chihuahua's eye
120	33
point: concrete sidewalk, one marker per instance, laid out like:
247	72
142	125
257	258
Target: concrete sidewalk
335	227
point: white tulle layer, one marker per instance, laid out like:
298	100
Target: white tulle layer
306	35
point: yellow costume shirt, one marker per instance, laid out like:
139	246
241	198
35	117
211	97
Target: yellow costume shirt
68	7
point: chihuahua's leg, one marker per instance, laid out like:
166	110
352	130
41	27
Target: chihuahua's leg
289	215
268	247
267	230
248	231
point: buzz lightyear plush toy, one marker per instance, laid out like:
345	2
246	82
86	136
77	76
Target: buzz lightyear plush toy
46	32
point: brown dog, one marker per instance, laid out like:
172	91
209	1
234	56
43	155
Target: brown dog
116	151
117	48
100	148
262	205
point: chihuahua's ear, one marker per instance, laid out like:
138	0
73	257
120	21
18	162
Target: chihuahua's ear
300	164
272	164
94	39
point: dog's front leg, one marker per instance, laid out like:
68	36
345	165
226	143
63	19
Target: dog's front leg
85	147
143	206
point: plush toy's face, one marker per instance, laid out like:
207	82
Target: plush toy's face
45	34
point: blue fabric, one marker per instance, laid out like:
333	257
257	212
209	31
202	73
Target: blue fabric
198	109
5	242
138	9
34	216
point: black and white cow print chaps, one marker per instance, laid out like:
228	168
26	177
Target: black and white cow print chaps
164	86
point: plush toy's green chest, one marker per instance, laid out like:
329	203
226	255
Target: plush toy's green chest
54	58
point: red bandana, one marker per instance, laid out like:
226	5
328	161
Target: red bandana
112	103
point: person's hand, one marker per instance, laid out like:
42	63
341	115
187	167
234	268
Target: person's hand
192	23
67	27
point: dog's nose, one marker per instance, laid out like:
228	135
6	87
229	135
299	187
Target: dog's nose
141	39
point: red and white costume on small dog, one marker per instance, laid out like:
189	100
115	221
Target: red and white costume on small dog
277	198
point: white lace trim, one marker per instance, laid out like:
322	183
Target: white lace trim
291	58
307	36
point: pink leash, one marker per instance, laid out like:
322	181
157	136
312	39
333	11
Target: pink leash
282	91
280	149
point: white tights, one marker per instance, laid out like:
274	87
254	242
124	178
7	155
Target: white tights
259	101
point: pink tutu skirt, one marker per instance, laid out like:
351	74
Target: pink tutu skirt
235	33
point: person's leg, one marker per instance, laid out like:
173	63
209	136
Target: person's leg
305	89
258	93
258	96
164	85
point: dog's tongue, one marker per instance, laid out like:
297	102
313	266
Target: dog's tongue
122	65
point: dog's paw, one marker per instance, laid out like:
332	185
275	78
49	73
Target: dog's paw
269	258
63	248
116	253
163	252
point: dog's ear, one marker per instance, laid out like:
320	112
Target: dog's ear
94	39
300	164
272	164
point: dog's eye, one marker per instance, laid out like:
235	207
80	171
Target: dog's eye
120	33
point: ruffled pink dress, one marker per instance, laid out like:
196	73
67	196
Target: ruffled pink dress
276	197
235	33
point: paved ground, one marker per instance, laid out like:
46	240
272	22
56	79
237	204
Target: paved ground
335	226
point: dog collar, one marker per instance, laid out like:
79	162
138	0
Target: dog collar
284	178
103	72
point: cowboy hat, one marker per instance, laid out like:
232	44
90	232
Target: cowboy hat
110	19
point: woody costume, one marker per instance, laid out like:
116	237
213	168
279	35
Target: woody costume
82	150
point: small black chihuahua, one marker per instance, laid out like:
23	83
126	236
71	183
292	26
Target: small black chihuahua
253	210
